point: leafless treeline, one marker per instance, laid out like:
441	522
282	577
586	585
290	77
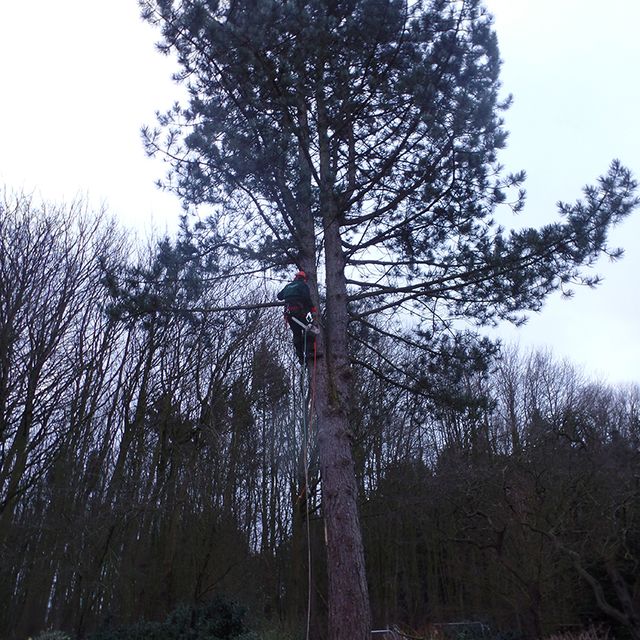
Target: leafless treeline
149	461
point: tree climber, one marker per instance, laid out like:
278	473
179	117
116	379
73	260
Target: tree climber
299	313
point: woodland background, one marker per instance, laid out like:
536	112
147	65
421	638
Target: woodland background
151	456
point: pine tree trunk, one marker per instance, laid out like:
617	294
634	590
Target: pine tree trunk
349	614
348	600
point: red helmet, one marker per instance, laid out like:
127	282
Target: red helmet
301	275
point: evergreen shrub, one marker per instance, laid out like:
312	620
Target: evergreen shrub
215	620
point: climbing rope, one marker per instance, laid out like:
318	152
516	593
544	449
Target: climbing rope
306	421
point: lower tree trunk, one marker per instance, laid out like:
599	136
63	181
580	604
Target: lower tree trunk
348	598
349	615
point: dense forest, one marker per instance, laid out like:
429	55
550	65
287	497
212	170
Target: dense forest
154	452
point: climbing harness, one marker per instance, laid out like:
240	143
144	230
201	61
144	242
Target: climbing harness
308	328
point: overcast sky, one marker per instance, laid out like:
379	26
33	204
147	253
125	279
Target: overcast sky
80	77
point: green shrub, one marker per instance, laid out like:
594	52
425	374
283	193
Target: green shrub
215	620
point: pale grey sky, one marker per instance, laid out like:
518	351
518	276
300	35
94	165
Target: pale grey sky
80	77
572	67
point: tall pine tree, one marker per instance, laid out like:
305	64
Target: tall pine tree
357	139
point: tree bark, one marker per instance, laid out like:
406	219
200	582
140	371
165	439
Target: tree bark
349	613
348	598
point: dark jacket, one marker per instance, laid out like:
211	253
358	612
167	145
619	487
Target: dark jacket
297	294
